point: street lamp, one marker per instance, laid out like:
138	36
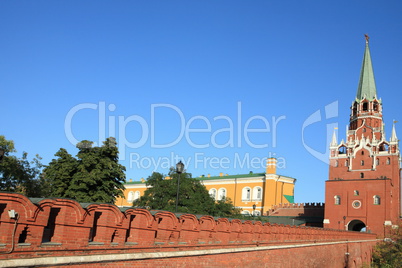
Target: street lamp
1	154
344	223
179	170
254	206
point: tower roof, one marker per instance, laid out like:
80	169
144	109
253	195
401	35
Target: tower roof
366	88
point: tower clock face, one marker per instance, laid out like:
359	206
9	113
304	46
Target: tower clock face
356	204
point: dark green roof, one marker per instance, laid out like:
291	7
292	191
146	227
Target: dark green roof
135	182
366	88
231	176
290	198
205	178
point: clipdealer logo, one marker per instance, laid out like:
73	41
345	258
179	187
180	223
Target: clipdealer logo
238	131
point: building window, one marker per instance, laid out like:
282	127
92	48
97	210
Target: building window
356	204
346	163
342	150
212	193
222	194
137	195
337	200
257	193
356	192
246	194
377	162
376	200
362	163
364	130
362	175
388	161
130	197
336	163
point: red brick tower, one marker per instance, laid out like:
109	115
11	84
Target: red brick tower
363	190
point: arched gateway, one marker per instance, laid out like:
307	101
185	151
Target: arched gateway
356	225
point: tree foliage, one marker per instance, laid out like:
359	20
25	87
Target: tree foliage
18	174
193	196
94	176
388	254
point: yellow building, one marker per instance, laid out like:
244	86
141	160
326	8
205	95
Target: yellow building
245	190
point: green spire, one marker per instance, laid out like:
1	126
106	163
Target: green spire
366	88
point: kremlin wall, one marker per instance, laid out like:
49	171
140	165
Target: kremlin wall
62	232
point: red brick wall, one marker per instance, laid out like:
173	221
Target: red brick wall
103	230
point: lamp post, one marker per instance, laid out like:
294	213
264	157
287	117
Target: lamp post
179	170
254	206
1	154
344	223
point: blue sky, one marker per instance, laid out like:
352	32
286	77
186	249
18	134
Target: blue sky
219	84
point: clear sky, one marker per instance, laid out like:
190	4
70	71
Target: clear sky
220	85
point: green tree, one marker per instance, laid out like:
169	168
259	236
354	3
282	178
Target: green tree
388	254
58	175
96	176
193	196
19	174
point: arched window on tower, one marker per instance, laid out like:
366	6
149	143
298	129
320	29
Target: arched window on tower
346	163
388	161
377	162
362	162
362	175
354	109
383	147
342	150
376	200
356	192
365	106
337	200
336	163
375	106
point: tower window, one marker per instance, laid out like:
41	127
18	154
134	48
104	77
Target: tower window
377	162
362	152
364	130
383	147
388	161
356	192
337	200
362	175
342	150
375	106
376	200
365	106
346	163
362	163
336	163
